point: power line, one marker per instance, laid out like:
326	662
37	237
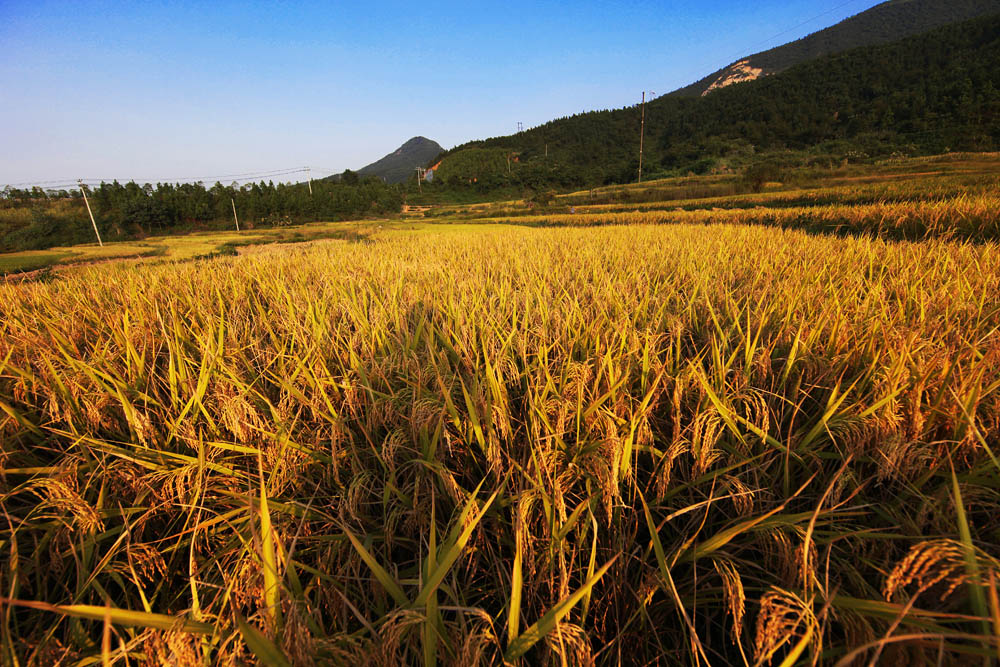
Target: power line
60	180
56	184
785	32
242	176
249	175
748	51
61	186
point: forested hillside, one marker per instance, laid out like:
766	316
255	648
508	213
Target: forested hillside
884	23
926	94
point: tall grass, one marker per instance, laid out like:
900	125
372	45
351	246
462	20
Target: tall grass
676	444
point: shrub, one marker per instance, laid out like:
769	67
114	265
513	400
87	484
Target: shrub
759	173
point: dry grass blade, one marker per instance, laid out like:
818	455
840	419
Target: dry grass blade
470	517
383	577
269	562
127	617
973	572
432	617
262	647
550	621
668	580
995	608
924	638
793	656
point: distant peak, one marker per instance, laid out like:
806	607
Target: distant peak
415	141
399	165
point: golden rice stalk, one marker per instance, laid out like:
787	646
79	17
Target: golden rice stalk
569	642
784	618
931	563
736	598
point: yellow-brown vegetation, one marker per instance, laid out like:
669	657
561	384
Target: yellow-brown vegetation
638	444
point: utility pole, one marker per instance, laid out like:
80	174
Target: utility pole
309	177
91	213
420	177
233	202
520	127
642	131
642	128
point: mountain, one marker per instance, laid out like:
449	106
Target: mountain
400	164
882	24
924	94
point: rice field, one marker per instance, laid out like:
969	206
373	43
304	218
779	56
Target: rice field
973	218
180	247
481	444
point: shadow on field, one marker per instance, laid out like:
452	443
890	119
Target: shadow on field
232	248
51	272
977	232
40	276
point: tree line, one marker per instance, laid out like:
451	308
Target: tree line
34	218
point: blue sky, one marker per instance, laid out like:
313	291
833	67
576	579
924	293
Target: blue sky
170	90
